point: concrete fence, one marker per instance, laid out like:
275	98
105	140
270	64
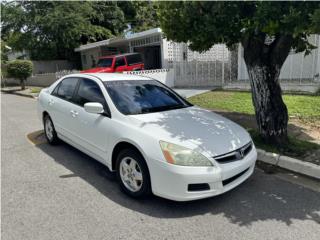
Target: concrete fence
166	76
51	66
39	80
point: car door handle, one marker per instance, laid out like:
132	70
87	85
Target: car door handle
74	113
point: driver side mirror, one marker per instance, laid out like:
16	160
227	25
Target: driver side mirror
93	107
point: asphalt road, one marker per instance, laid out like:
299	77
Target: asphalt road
60	193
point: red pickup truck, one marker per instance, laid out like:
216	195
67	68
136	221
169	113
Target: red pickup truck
118	63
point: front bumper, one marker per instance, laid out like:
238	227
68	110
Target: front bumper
171	181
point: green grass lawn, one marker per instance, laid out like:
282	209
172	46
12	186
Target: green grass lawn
298	105
295	147
35	89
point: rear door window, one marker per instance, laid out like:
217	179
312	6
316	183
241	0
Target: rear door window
105	62
66	88
134	59
120	62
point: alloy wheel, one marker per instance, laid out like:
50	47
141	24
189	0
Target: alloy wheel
131	174
49	129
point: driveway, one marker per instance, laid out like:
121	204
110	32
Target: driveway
57	192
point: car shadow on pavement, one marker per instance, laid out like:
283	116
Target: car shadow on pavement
262	197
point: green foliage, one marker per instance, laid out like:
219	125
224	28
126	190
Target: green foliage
19	69
52	29
204	24
315	18
145	15
267	30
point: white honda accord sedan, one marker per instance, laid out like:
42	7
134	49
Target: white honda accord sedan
150	136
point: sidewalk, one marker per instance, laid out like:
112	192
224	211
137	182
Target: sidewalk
30	91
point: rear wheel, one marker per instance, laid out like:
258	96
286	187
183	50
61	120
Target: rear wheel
133	174
49	130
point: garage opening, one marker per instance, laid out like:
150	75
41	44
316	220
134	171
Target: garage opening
151	56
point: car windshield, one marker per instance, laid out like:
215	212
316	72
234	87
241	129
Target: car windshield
105	62
143	96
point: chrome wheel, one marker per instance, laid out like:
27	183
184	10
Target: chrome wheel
131	174
49	129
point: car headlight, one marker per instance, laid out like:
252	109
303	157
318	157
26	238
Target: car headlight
179	155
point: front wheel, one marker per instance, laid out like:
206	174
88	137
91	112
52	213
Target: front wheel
133	174
49	130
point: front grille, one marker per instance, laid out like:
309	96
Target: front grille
235	155
229	180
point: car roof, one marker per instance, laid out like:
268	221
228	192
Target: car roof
118	55
111	76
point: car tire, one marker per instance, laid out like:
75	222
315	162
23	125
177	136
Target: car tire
133	174
49	130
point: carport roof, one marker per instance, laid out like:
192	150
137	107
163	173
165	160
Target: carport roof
118	39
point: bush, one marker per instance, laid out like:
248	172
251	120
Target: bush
20	69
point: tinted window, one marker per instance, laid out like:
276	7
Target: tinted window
134	59
105	62
66	88
145	96
89	91
120	62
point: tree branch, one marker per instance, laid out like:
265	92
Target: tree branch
280	49
253	45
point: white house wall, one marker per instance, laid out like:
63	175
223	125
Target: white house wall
95	52
211	68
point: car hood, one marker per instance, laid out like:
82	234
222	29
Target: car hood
195	128
97	70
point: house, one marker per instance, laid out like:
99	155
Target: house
157	51
217	67
149	43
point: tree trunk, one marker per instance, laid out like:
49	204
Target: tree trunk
264	63
271	112
23	84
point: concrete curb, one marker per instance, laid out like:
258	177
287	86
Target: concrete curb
289	163
17	93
